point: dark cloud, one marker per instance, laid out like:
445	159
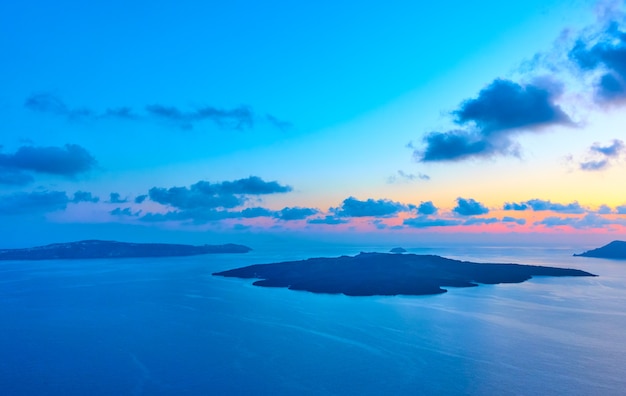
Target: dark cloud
83	196
34	202
506	105
115	198
427	208
604	209
69	160
543	205
352	207
489	121
469	207
331	220
425	222
621	209
140	198
227	194
238	118
252	185
296	213
455	145
605	54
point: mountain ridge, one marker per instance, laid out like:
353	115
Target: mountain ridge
93	249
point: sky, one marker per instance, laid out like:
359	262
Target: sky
214	122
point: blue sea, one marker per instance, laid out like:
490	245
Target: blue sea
166	326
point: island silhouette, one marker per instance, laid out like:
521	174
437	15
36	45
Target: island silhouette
92	249
613	250
369	274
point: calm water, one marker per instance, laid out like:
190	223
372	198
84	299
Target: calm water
168	327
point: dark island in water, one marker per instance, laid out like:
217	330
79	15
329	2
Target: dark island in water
614	250
93	249
369	274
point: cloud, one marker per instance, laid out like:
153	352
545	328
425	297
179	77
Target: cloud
252	185
352	207
590	220
34	202
331	220
115	198
123	212
296	213
140	198
480	221
69	161
594	165
427	208
250	213
425	222
469	207
407	177
509	219
488	122
83	196
280	124
600	157
193	197
203	215
542	205
604	55
48	103
615	149
13	177
205	202
621	209
227	194
237	118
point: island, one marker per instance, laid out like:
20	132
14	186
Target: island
369	274
398	250
93	249
613	250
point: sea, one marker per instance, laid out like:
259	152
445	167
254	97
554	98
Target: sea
167	326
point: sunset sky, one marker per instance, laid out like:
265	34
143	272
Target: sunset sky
213	122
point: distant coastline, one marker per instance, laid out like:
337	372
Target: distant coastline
369	274
94	249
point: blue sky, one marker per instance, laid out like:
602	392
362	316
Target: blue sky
212	121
